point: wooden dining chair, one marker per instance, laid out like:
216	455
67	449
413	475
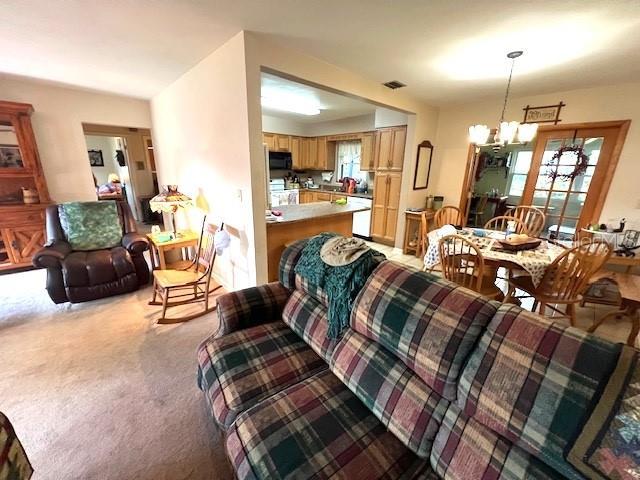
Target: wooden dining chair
477	212
192	284
532	217
500	224
447	215
423	240
463	264
564	281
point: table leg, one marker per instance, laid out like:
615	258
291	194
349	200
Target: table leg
152	256
161	259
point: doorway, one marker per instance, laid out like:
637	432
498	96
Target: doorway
566	173
123	154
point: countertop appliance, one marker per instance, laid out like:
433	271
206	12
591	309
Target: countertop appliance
362	220
280	161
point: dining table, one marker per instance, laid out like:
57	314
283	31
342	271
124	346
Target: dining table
534	261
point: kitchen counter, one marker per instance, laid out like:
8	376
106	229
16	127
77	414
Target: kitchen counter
306	220
337	192
307	211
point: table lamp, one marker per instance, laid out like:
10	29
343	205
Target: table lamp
169	201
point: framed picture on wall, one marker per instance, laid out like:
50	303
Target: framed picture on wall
95	158
10	157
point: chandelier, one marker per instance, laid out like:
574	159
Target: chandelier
507	132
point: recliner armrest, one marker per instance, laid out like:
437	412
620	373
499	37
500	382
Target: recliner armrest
251	307
135	242
51	255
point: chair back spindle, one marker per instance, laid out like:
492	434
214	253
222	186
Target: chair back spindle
448	215
532	217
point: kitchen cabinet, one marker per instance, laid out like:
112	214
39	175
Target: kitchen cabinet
366	152
304	153
386	202
321	159
306	196
296	159
389	148
270	140
282	143
313	153
323	197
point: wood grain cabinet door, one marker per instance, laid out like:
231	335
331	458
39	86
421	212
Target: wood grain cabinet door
396	160
321	162
24	242
270	140
393	204
366	152
296	160
283	143
379	206
313	153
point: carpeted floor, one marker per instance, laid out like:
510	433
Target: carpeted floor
98	391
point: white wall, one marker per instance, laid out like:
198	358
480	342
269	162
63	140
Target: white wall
201	142
285	126
389	118
359	123
616	102
57	124
108	147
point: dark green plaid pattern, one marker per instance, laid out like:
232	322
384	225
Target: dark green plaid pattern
396	396
14	464
533	382
313	290
308	318
466	450
288	261
317	429
238	370
251	306
428	323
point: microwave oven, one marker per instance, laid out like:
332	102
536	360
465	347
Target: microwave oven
280	161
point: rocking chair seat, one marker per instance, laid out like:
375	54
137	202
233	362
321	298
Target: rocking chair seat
175	278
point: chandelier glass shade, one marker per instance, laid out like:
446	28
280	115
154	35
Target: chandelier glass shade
507	132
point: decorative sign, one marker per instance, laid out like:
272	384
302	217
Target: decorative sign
544	114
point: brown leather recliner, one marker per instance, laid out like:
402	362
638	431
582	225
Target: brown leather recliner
80	276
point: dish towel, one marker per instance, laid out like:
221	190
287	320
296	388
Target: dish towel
351	262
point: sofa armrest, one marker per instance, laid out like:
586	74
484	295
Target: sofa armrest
251	306
135	242
51	256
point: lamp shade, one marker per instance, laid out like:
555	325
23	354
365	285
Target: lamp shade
527	131
170	200
479	134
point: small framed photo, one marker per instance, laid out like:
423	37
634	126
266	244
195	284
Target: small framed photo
10	157
543	114
95	158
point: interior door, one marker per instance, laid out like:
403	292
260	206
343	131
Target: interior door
570	203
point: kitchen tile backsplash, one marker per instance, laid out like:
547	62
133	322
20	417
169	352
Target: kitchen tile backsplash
317	177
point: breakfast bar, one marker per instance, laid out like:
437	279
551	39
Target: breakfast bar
305	220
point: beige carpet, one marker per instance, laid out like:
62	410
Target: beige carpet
98	391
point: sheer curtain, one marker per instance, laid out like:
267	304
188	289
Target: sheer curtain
348	159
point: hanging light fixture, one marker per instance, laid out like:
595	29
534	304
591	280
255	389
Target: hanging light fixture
508	132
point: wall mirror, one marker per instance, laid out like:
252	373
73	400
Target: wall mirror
423	165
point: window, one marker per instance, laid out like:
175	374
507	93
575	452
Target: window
519	172
348	160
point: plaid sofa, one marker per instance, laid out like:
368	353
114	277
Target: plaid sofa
431	381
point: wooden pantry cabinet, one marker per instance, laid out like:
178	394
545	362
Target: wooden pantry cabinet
389	148
386	202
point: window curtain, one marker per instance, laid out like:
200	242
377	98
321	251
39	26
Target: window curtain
349	159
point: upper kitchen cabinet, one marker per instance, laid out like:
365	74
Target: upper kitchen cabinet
389	148
283	143
326	154
313	154
296	152
367	160
270	140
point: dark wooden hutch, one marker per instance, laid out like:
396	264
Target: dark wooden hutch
23	189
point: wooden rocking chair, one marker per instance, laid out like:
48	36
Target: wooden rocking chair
189	285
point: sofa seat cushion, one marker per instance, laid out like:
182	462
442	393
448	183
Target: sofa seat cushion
317	429
396	395
427	322
97	267
308	318
534	382
464	449
238	370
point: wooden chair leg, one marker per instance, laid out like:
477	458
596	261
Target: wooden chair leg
571	313
635	328
165	299
155	291
604	318
510	291
543	308
535	305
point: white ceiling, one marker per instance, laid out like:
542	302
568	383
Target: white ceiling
446	51
332	106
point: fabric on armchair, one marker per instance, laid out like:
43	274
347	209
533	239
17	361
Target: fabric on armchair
79	275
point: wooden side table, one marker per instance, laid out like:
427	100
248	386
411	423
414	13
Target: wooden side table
414	237
629	286
158	250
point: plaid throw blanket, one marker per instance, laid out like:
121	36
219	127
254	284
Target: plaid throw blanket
609	445
341	284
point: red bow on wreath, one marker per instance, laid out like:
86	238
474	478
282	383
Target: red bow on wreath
580	168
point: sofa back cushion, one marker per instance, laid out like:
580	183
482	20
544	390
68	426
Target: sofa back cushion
308	318
428	323
465	449
91	225
395	394
534	381
288	262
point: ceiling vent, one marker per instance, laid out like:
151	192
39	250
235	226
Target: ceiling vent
393	84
